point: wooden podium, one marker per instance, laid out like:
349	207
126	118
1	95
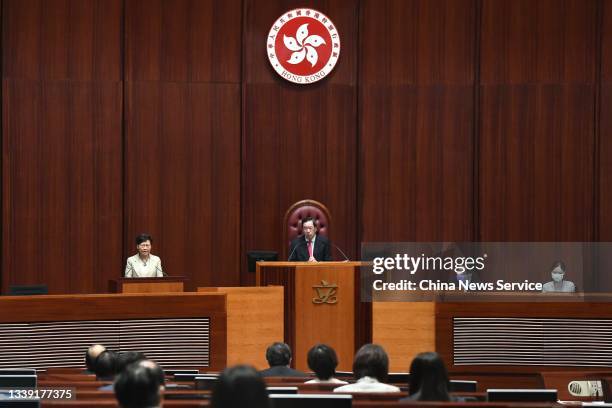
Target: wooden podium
322	305
148	285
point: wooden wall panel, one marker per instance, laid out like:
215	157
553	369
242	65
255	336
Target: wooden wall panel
182	177
536	120
62	39
61	144
183	40
298	141
417	127
182	136
61	184
417	172
536	171
604	214
545	41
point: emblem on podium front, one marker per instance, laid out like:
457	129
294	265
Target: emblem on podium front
326	293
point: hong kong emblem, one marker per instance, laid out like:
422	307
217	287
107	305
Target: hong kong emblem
303	46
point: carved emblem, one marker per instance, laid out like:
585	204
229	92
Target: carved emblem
326	293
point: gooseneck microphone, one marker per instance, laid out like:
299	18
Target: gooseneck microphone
296	247
157	268
346	258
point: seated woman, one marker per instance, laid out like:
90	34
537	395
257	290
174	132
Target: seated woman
238	387
322	360
370	368
558	284
428	378
144	264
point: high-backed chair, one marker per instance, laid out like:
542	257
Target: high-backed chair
292	227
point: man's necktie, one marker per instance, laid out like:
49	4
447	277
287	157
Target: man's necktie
309	249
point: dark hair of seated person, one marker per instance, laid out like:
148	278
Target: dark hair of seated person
371	360
278	354
139	385
428	378
238	387
322	360
126	358
105	365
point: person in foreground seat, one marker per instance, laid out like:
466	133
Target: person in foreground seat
238	387
428	379
105	365
122	361
279	357
140	385
90	357
322	360
370	368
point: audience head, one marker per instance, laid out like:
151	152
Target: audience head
278	354
371	360
140	385
323	361
91	354
238	387
428	378
105	365
126	358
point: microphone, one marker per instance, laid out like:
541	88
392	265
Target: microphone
346	258
296	247
157	268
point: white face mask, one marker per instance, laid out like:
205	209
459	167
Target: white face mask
557	277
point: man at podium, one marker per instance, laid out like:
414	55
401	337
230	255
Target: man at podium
310	246
144	264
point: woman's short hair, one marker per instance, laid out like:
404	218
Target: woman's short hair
429	378
371	360
238	387
278	354
143	238
558	264
323	361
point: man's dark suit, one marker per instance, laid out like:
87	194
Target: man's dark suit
299	249
281	371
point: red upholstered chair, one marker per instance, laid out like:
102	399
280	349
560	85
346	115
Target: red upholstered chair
293	221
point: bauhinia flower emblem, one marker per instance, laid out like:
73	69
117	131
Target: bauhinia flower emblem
303	46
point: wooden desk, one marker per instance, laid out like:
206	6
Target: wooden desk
175	329
532	336
148	285
254	321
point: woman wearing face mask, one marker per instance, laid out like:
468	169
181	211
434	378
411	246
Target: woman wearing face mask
558	284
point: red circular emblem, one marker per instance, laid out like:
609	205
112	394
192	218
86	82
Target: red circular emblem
303	46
